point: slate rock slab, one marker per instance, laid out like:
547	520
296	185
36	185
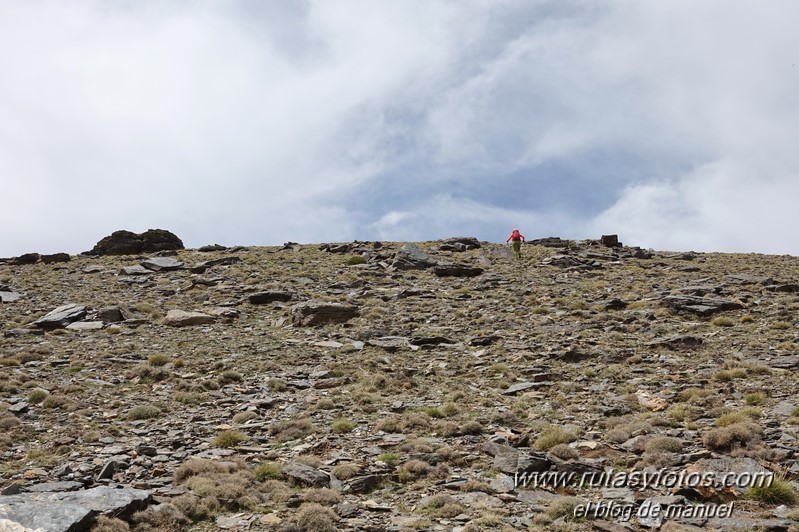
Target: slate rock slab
750	279
162	264
85	326
310	314
306	475
16	333
182	318
72	511
779	362
61	317
138	269
523	386
8	297
676	341
783	288
700	305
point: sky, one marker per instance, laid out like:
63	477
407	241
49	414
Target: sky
256	122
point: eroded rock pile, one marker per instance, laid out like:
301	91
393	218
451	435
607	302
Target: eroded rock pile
129	243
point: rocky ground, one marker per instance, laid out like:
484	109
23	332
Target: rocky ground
371	386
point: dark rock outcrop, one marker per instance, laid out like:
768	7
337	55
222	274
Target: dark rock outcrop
129	243
27	258
56	257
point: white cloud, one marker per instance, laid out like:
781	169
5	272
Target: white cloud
670	123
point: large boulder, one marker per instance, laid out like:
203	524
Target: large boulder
55	257
129	243
27	258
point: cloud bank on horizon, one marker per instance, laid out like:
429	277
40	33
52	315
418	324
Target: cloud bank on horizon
672	124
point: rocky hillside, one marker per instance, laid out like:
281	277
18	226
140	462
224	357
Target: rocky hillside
389	386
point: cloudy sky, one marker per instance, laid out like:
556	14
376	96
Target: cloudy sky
255	122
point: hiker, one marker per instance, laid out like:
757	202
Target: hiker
517	238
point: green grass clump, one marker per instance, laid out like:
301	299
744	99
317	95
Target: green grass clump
663	444
230	438
229	377
778	491
742	416
277	385
187	398
755	398
723	321
144	412
292	429
389	458
450	409
37	396
727	375
343	426
244	417
780	325
353	261
314	516
443	506
552	436
268	470
730	436
158	360
434	411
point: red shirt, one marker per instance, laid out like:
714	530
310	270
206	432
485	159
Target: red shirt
515	236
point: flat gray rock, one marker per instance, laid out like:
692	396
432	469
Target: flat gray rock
182	318
85	326
61	317
699	304
70	511
162	264
66	485
138	269
306	475
522	386
8	297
